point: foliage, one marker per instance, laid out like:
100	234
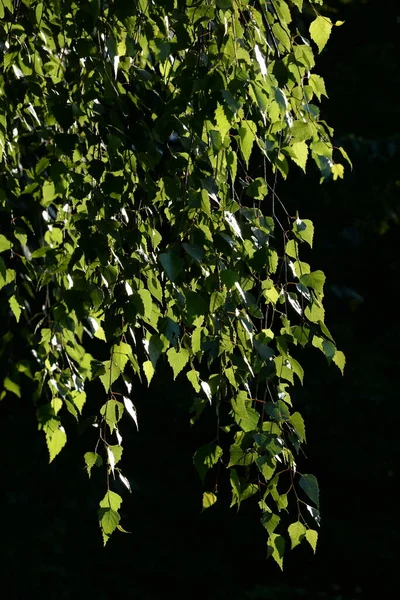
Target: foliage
140	146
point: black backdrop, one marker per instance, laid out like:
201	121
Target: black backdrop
50	542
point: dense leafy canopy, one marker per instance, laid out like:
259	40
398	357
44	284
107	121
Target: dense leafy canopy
140	146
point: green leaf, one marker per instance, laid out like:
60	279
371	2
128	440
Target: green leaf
224	4
345	156
292	249
208	499
298	423
6	275
11	386
241	457
269	291
314	313
320	30
193	377
257	189
232	164
246	139
304	230
299	4
112	412
177	360
301	334
109	520
92	459
195	251
297	532
246	417
56	438
121	354
109	517
111	500
5	244
147	303
309	485
97	330
15	307
337	171
196	339
301	131
206	457
79	399
300	154
283	368
39	12
116	452
267	465
216	140
221	120
270	521
312	538
217	299
148	369
171	264
328	349
318	85
276	548
49	193
111	374
340	360
314	280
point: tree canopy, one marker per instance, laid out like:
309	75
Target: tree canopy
140	148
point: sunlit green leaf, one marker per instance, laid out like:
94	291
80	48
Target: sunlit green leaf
320	30
92	459
208	499
297	532
312	538
340	360
276	548
177	359
15	307
206	457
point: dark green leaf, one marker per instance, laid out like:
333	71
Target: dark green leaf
309	485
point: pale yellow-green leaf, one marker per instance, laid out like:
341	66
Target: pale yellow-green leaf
196	339
148	370
337	171
320	30
209	499
276	548
11	386
296	532
15	307
177	359
56	438
247	135
318	85
300	150
112	372
193	377
312	538
340	360
5	244
223	125
272	295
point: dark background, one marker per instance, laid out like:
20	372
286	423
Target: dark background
49	537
